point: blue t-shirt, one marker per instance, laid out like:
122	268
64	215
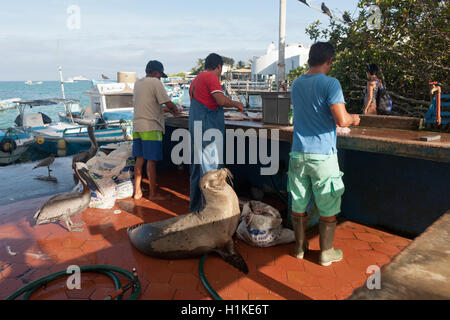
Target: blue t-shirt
314	125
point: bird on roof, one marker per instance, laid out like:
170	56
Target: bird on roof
326	10
104	77
46	163
347	18
304	1
63	206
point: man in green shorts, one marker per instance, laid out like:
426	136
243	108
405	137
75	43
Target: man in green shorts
148	125
319	106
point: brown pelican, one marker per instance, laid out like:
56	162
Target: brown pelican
85	155
63	206
46	163
104	77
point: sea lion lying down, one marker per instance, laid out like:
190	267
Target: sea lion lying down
196	233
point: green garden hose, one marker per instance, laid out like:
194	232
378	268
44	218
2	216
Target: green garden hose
29	289
204	281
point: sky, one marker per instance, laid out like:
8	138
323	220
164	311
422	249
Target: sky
123	35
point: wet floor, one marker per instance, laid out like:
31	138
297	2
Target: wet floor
19	182
29	252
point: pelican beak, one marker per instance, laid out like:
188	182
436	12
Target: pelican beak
84	173
94	183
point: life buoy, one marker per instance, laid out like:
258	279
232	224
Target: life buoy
8	145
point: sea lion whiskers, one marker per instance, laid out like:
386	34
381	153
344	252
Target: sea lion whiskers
229	176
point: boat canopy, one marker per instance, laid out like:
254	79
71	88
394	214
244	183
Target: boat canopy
46	102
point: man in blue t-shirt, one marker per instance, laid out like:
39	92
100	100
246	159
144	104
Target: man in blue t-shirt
319	106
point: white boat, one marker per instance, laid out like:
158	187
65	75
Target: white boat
8	104
80	78
30	83
70	80
14	142
63	138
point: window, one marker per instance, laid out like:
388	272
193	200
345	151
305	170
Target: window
119	101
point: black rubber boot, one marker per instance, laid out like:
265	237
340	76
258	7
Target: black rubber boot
328	254
299	226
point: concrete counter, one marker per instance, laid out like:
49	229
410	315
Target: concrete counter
392	179
389	141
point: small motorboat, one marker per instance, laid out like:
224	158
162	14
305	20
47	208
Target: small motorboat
63	138
30	83
8	104
14	142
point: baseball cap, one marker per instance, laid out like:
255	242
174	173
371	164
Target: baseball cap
154	65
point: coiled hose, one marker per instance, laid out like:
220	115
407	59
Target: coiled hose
204	281
29	289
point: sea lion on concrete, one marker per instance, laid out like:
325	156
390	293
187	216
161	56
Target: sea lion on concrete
196	233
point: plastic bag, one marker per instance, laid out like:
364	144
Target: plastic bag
125	180
260	226
108	198
115	175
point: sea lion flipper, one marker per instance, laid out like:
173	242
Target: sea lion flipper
231	256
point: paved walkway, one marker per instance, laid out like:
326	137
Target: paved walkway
29	252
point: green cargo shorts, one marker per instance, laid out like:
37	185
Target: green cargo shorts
319	175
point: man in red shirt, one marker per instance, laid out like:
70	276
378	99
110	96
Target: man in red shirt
207	102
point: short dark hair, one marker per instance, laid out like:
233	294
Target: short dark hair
212	61
319	53
372	69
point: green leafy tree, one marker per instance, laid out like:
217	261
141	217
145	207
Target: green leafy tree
181	74
410	44
240	65
199	67
228	61
297	72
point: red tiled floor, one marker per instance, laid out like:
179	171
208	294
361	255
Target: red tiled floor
302	279
368	237
385	248
29	252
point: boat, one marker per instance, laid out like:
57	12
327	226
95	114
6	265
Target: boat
30	83
111	106
8	104
14	142
175	88
63	138
70	80
80	78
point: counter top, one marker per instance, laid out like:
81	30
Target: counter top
397	142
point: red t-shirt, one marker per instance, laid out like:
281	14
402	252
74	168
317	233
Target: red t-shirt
204	85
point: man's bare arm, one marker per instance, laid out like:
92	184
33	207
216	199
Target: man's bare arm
222	100
342	117
172	108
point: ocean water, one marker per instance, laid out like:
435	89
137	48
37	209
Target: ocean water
52	89
46	90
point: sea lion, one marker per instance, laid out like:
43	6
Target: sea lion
196	233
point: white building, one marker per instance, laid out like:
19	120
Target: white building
266	66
